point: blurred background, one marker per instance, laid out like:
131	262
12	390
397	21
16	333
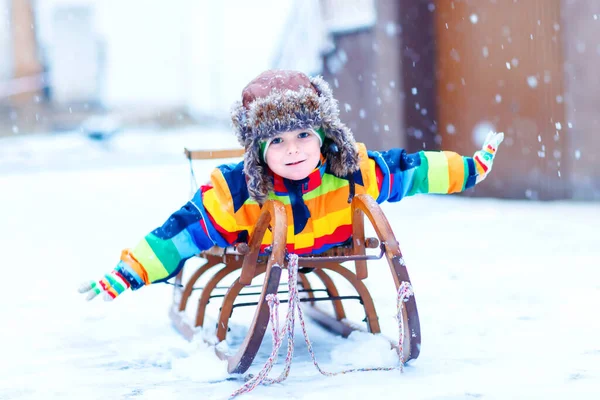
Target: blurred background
407	73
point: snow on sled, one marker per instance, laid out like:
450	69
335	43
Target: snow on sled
315	281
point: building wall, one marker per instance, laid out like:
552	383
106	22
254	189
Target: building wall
75	54
417	48
24	63
500	66
225	50
144	54
365	74
5	41
581	33
156	55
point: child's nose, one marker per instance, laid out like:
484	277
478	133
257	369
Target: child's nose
292	148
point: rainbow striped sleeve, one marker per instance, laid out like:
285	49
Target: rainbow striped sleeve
162	253
402	174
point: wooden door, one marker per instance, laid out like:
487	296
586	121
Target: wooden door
499	66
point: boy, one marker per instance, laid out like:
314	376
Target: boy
299	152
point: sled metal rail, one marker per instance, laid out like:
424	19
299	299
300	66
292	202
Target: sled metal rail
307	300
216	296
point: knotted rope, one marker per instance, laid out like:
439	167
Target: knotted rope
404	292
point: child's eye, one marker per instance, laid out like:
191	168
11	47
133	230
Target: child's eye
303	135
277	140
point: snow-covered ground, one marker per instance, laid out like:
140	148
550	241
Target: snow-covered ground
507	290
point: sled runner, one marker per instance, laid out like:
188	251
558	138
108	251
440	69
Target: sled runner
316	281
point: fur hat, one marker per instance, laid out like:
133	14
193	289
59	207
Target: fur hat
280	101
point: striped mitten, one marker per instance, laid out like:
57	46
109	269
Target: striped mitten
111	285
484	158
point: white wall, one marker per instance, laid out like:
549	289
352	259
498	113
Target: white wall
140	45
306	38
230	42
75	53
6	57
69	45
194	53
144	51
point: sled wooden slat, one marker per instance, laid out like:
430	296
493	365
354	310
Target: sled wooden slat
213	154
273	212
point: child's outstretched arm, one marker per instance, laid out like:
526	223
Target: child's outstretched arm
160	254
401	174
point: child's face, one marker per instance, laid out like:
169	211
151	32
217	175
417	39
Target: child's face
294	154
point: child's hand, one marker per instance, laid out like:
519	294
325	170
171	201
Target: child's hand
111	285
484	158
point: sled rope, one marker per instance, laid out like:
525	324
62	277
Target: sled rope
404	292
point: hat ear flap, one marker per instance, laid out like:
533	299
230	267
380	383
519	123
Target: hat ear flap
257	178
340	151
239	122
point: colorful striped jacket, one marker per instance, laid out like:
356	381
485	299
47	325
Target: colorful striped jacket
317	207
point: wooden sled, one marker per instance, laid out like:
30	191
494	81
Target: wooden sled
245	261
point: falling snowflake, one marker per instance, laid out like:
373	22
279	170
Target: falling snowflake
532	81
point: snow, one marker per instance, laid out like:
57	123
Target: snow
532	81
506	290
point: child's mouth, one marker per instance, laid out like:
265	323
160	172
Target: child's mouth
294	163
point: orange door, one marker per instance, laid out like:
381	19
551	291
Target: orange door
499	66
